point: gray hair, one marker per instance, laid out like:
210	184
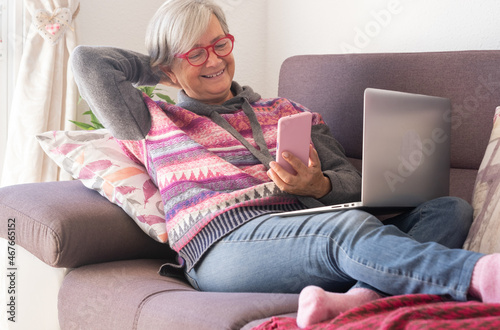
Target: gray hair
177	26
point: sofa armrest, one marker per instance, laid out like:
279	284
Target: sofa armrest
65	224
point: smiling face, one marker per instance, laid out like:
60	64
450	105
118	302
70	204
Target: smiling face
209	83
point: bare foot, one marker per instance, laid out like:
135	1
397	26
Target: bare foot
317	305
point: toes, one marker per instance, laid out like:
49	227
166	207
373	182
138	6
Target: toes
312	306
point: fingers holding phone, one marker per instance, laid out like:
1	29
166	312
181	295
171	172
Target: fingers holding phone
298	168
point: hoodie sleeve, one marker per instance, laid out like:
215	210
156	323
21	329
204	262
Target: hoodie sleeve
344	177
106	77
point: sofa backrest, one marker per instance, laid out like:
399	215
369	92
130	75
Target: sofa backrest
333	85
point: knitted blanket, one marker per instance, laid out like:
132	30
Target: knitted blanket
417	311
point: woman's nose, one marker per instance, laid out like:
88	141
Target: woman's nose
213	59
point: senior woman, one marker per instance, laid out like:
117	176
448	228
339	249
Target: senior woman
212	158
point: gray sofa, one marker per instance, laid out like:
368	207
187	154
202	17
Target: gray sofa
113	282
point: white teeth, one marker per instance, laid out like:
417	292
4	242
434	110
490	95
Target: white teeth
215	75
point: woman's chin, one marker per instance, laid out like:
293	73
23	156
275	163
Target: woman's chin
221	92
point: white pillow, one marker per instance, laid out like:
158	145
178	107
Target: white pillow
484	234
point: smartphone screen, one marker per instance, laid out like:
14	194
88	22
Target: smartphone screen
294	136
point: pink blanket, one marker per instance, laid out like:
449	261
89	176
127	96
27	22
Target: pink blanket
418	311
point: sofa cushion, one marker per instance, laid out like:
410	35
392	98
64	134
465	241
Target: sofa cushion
65	224
484	235
131	295
462	182
98	161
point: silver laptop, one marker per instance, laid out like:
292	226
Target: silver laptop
406	151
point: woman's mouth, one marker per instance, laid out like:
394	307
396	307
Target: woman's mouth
214	75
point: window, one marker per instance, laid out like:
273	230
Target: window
11	40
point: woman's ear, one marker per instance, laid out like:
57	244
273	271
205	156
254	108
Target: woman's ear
172	78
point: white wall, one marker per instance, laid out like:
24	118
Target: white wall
337	26
268	31
120	23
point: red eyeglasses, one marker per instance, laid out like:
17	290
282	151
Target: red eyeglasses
199	55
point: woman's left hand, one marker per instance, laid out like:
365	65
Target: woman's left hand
309	180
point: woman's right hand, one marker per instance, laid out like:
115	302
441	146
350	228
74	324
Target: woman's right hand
309	180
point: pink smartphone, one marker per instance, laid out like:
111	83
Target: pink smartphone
294	135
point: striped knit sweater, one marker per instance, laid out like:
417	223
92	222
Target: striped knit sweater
209	182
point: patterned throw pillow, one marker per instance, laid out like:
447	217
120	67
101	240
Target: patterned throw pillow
95	158
484	235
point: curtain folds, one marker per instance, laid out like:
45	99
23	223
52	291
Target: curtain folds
45	95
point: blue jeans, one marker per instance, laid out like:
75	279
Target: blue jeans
416	252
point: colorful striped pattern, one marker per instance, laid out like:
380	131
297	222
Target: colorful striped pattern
413	311
203	172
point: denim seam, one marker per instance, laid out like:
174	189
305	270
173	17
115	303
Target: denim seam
359	262
192	281
418	224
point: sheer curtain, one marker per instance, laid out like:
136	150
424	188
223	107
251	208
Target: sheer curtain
45	96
